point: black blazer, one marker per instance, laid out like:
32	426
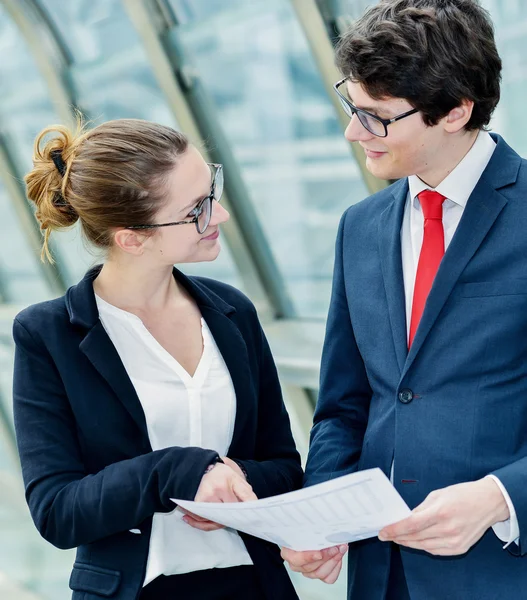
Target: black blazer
89	471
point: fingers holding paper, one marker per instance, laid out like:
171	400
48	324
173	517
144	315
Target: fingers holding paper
321	564
221	484
348	508
450	520
199	522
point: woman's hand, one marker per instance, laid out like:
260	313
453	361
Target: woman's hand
322	564
199	522
234	466
223	484
220	484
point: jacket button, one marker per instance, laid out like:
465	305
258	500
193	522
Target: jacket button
406	396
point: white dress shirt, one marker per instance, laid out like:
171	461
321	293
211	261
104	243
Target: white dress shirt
180	410
457	188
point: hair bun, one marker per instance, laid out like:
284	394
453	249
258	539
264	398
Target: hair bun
47	183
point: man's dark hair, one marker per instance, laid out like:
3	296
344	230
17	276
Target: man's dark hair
433	53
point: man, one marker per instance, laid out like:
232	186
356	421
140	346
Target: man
424	370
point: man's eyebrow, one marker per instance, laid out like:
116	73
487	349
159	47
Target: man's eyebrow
371	109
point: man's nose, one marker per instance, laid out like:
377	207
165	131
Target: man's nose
356	132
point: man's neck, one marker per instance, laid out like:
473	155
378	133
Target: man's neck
449	157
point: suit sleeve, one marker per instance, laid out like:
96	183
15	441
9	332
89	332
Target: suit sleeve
341	414
513	479
69	506
276	466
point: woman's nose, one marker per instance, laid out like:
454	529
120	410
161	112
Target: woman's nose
219	214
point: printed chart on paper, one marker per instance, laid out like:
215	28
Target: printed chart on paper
346	509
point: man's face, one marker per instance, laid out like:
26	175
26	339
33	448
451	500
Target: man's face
411	147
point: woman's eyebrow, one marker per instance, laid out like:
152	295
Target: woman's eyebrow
194	203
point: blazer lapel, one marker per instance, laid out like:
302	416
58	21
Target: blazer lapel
231	344
100	351
98	348
392	269
235	354
482	210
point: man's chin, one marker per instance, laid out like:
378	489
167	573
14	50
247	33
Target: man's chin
382	171
378	170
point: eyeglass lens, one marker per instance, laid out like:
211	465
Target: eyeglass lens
369	122
204	216
206	210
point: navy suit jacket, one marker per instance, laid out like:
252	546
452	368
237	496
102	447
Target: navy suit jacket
452	409
89	470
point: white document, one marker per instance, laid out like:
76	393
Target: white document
346	509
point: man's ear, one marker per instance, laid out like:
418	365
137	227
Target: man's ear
458	117
129	241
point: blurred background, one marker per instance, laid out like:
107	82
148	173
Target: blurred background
250	82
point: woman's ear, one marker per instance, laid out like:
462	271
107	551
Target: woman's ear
129	241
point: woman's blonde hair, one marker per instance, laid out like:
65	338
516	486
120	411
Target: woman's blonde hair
111	176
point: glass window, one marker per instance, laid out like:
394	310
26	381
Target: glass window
510	19
255	62
351	9
110	71
21	280
25	109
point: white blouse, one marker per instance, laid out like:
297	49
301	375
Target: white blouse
180	410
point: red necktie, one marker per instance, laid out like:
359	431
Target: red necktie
432	252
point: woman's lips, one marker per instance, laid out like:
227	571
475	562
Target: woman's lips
212	236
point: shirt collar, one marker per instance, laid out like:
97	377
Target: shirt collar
459	184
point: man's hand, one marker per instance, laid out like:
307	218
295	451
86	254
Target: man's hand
221	484
319	564
451	520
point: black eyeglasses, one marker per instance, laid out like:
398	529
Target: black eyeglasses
372	123
202	213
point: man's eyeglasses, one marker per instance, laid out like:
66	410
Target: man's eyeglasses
202	213
374	124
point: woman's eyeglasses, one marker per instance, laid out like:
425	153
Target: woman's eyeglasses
202	213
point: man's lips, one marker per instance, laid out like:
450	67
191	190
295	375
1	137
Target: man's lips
373	153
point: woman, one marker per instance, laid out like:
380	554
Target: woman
141	384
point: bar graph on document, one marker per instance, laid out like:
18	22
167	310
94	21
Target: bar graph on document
346	509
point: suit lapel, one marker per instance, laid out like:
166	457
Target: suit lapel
482	210
98	348
234	351
100	351
391	265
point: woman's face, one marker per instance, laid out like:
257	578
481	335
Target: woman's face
187	185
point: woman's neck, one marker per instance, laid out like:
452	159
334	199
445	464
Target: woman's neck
135	289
